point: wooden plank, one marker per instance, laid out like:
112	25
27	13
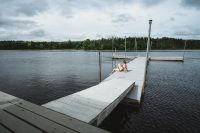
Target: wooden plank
106	94
136	73
4	130
115	56
36	120
5	97
167	58
16	125
51	115
59	118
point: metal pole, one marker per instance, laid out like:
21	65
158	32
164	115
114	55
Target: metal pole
135	46
112	45
148	42
150	49
99	66
125	46
184	50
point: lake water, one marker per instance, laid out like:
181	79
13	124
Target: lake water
171	102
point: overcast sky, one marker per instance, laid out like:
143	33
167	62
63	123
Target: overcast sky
59	20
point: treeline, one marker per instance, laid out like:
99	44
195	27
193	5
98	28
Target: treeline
104	44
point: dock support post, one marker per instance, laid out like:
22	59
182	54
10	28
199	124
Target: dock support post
125	47
99	66
184	50
112	45
136	47
148	42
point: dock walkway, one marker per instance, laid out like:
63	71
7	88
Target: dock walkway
94	104
178	58
137	73
20	116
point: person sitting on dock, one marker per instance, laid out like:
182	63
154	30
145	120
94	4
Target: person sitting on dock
120	67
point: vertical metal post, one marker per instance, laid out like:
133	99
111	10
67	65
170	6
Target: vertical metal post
99	66
136	46
112	45
184	50
150	49
112	52
148	42
125	46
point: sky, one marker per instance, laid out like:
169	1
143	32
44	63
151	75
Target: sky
61	20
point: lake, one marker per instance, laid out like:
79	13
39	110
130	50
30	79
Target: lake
171	102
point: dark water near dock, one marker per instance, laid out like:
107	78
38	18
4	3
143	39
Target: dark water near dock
171	102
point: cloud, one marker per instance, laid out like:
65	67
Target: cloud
122	19
37	33
188	32
191	3
14	23
80	19
31	8
149	3
28	8
171	19
22	35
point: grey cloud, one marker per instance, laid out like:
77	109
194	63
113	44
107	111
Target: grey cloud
32	7
123	18
67	6
22	35
16	7
37	33
171	19
187	31
191	3
14	23
150	2
180	14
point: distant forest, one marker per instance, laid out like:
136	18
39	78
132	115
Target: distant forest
164	43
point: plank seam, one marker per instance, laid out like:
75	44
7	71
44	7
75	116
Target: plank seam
6	127
25	121
48	118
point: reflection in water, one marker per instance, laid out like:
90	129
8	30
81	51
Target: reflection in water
171	101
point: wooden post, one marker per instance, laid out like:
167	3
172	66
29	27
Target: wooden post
184	50
125	46
112	45
150	49
99	66
148	42
136	46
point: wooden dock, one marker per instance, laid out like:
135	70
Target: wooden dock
136	73
94	104
115	56
20	116
178	58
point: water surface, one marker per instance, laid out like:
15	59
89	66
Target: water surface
171	102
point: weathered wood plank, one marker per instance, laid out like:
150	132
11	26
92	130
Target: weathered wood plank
38	121
167	58
115	56
59	118
95	103
4	98
4	130
16	124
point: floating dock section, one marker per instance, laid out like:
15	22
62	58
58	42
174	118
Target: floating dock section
115	56
137	73
94	104
20	116
166	58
